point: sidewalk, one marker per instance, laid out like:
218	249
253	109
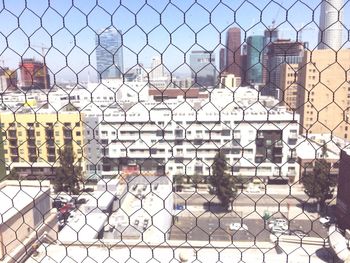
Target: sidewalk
250	212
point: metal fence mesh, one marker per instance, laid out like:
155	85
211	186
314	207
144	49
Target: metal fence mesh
174	131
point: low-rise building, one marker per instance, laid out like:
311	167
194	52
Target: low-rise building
312	147
25	217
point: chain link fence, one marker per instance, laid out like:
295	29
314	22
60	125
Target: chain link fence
174	131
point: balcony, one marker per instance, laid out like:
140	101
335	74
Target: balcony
13	142
67	134
293	136
12	134
50	144
31	142
30	134
49	134
14	152
237	135
260	135
32	154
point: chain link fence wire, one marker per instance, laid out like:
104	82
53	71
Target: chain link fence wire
174	131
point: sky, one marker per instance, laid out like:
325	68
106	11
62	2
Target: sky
66	28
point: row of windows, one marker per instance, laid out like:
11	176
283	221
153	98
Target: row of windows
39	124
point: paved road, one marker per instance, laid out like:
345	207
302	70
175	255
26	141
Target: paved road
242	199
217	229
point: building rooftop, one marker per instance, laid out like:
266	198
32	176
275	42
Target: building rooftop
313	145
16	196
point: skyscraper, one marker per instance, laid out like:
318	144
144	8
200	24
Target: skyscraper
255	45
280	52
270	36
202	64
233	51
222	60
324	99
331	29
109	53
157	69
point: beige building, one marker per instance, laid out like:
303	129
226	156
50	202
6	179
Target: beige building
323	98
289	85
26	218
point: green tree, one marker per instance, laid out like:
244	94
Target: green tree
178	180
223	183
69	174
319	183
196	180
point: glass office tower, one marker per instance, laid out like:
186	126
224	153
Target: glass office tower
203	69
255	46
109	53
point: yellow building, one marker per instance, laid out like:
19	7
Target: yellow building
32	141
324	96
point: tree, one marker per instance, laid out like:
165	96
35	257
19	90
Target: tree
69	173
223	182
178	180
196	179
319	183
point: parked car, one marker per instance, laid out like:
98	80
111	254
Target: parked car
67	208
71	216
278	222
279	230
238	226
325	220
80	201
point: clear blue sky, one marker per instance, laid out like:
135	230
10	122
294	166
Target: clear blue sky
170	27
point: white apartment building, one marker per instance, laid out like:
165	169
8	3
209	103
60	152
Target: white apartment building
183	137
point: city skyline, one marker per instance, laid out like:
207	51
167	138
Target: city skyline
77	40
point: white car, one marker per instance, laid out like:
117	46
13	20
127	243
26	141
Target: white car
279	230
238	226
71	216
325	220
279	222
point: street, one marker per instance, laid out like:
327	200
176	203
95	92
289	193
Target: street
217	229
202	217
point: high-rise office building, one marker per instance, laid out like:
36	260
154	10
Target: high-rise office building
270	36
244	62
222	61
280	52
157	69
324	99
109	53
255	45
331	28
233	51
203	68
34	74
289	85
